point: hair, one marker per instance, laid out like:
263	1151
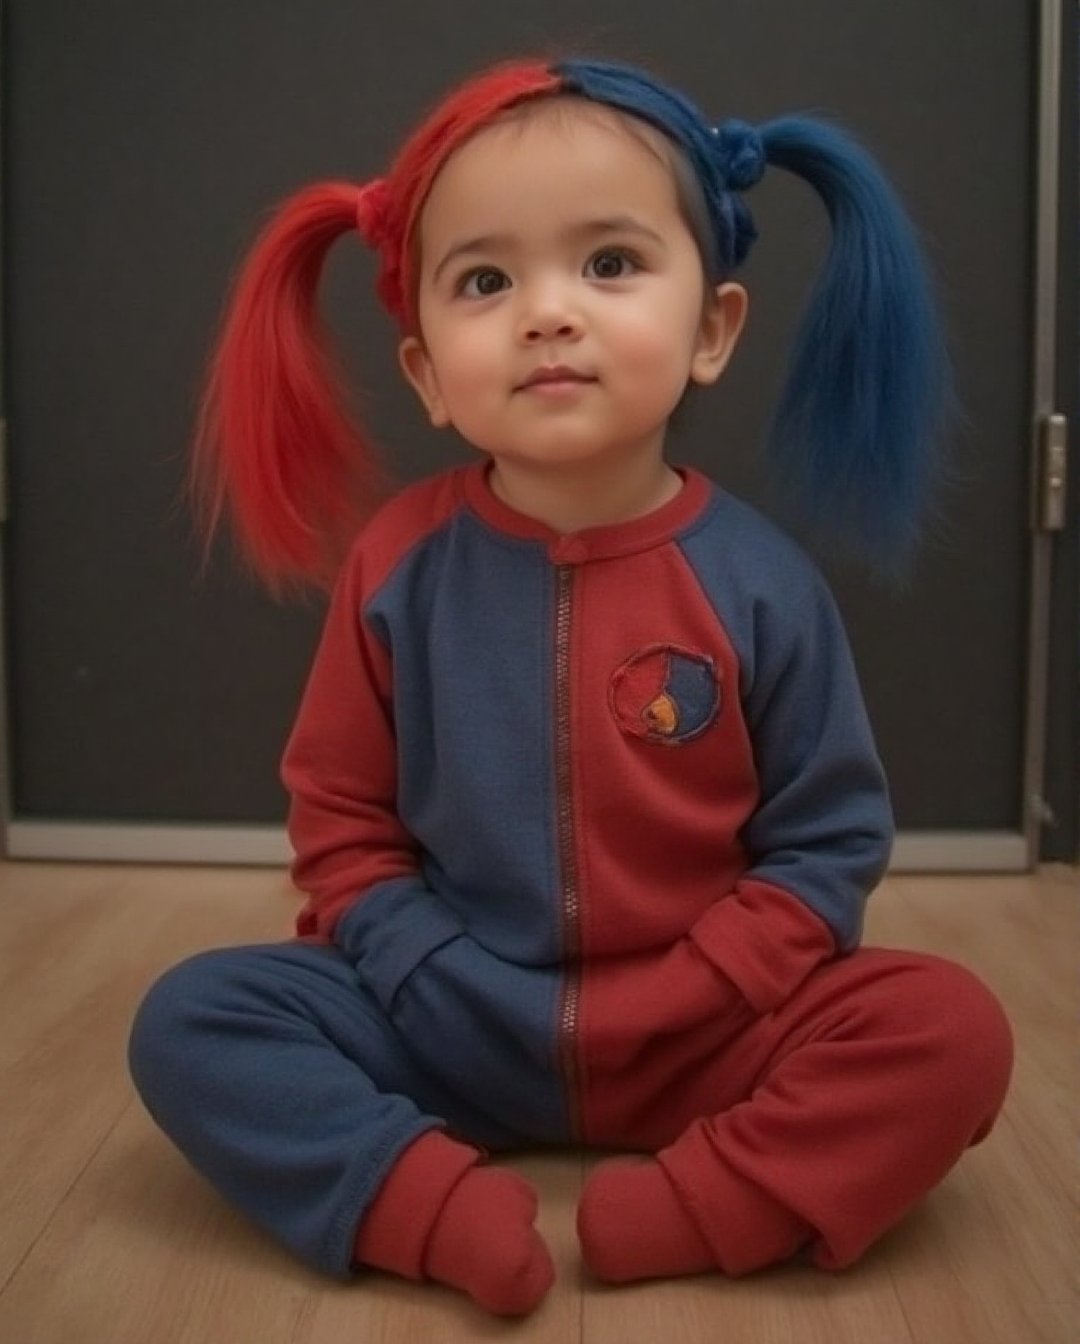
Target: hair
868	388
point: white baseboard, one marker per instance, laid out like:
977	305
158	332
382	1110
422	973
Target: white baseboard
258	846
113	842
960	852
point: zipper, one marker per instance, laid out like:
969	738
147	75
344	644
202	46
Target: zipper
568	880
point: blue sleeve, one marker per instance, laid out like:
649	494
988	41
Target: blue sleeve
823	828
822	831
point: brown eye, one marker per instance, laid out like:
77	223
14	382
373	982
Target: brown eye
613	263
480	283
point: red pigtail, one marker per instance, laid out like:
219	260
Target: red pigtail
275	454
275	451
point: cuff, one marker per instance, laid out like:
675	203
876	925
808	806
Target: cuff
765	941
392	929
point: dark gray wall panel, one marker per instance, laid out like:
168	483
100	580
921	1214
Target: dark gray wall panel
144	144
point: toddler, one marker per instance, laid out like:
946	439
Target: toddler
584	800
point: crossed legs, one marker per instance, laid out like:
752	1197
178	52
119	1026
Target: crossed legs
817	1127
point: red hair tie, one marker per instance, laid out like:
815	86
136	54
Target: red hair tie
381	230
372	212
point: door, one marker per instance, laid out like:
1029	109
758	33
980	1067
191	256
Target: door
148	703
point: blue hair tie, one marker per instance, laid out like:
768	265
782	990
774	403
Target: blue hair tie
742	154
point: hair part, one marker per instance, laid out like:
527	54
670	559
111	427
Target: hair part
567	110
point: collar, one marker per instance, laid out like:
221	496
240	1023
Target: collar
591	543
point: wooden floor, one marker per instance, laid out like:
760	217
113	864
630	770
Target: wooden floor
107	1237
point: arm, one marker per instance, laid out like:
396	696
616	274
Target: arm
820	837
358	864
818	842
340	769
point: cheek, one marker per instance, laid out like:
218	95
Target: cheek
653	349
467	359
472	383
664	327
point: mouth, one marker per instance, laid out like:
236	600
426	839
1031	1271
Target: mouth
554	377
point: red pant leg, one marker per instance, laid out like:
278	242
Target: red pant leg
828	1120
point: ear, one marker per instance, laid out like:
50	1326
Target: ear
418	370
721	323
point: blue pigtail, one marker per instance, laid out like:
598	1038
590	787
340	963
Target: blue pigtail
869	386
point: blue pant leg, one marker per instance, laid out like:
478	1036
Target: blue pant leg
280	1078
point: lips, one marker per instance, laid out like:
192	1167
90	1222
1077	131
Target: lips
555	373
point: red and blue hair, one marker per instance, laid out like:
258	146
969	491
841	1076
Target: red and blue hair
867	391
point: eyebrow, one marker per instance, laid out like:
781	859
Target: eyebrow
491	242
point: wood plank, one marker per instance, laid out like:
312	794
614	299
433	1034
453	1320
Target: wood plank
108	1235
143	1249
995	1255
77	953
998	1255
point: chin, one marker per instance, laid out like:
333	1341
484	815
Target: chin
559	454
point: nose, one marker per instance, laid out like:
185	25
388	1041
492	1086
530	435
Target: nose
548	312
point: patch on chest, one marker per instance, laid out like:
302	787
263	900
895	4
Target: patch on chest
666	694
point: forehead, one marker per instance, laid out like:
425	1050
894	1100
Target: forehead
555	158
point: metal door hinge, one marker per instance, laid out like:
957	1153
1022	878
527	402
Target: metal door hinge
1053	473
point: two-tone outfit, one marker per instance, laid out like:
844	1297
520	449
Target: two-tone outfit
586	825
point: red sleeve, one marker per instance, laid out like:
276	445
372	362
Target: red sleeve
340	767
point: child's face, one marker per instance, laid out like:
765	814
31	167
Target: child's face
559	241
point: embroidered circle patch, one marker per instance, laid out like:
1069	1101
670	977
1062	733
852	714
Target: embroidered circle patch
665	694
